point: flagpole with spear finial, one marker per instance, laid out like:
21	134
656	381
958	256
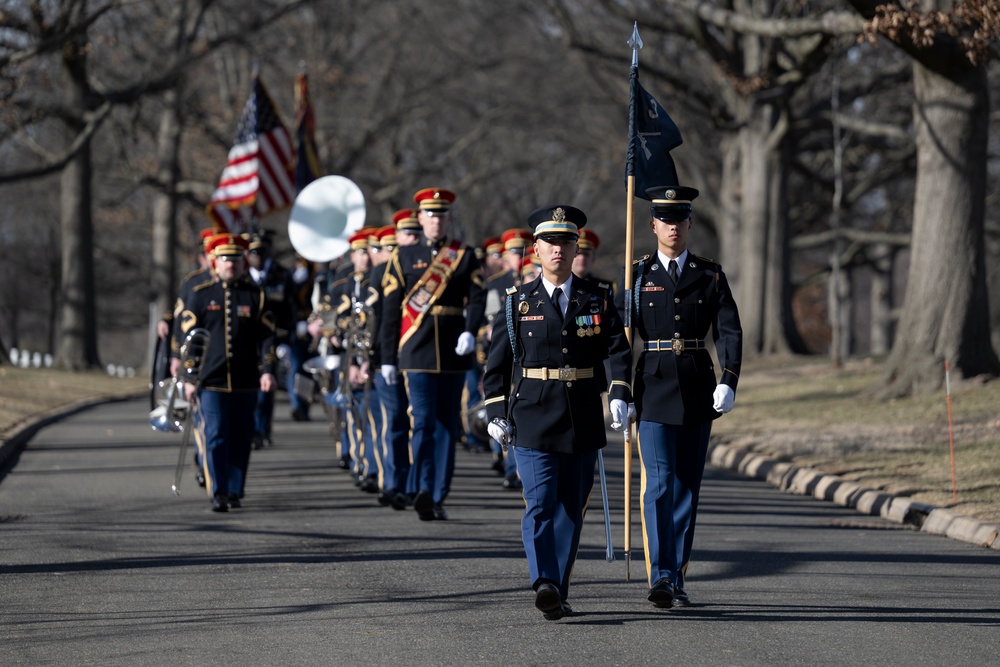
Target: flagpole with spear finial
636	43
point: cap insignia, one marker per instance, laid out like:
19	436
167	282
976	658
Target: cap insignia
437	195
671	194
559	215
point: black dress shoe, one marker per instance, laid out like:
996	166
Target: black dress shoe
549	602
423	503
219	504
369	484
344	463
258	441
681	598
199	477
300	415
385	497
662	594
399	501
439	513
512	483
234	501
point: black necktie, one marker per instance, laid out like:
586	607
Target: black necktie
672	270
556	293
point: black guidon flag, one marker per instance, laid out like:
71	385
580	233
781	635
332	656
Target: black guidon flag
652	134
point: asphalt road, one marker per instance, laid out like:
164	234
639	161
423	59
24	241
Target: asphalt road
100	564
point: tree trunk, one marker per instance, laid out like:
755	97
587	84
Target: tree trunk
945	313
164	271
729	208
881	298
78	339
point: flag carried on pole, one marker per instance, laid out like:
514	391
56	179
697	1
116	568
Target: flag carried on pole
259	177
307	167
652	134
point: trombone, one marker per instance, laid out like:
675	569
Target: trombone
177	413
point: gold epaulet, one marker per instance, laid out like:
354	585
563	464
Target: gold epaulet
641	259
201	286
511	290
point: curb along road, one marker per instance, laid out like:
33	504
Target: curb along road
810	482
781	474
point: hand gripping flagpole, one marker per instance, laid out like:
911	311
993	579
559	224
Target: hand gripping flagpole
636	43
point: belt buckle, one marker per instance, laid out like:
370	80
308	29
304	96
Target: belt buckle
677	345
567	374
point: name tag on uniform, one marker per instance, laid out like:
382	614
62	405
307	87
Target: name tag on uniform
214	306
243	311
652	289
532	318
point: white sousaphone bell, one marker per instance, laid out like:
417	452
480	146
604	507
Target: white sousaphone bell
324	216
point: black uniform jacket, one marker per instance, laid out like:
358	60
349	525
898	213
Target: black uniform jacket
552	415
241	327
432	348
356	287
673	388
281	298
188	283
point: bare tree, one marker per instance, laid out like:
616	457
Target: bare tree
945	315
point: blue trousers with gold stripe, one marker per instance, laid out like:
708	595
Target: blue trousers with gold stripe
672	461
435	407
228	419
556	490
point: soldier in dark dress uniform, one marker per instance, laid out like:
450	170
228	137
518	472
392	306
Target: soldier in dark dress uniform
676	296
279	290
433	302
238	362
541	383
515	241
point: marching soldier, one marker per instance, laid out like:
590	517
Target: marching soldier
586	255
676	297
433	303
544	399
303	277
346	291
395	403
514	241
239	361
279	290
492	257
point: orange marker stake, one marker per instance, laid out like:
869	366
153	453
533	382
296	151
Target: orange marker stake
951	434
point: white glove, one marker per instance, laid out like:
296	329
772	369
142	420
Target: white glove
301	329
631	413
466	344
619	414
497	430
389	374
724	397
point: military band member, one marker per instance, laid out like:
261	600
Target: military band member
395	435
195	277
676	297
515	241
239	361
586	255
395	402
544	399
303	277
492	257
279	290
356	453
433	303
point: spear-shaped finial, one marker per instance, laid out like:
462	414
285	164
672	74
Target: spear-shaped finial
636	43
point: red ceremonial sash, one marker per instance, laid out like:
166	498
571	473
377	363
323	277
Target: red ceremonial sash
427	290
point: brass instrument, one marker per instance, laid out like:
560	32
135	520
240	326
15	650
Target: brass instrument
192	356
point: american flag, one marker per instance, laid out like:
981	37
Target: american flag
307	165
260	174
